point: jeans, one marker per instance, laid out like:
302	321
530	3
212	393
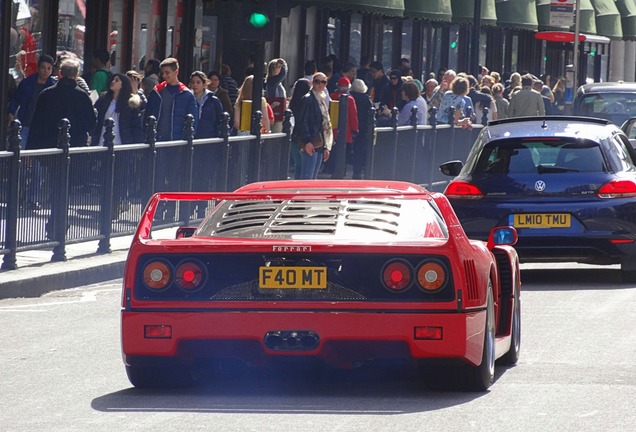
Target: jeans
24	134
310	165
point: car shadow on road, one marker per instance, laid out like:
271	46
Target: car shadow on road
376	390
572	279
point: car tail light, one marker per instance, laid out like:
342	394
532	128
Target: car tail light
157	275
431	276
617	189
397	275
189	276
158	331
463	190
429	333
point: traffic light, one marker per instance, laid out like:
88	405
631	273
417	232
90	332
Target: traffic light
258	18
454	38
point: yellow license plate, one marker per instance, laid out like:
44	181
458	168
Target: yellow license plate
292	277
541	220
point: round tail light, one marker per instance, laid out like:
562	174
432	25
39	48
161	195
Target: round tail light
431	276
189	276
397	275
157	275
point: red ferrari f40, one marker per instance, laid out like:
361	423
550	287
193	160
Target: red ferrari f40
341	271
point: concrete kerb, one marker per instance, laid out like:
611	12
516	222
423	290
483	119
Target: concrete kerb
37	274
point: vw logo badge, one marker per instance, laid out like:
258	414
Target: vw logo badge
539	186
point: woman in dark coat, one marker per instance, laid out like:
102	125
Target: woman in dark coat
301	88
360	142
209	106
214	85
124	106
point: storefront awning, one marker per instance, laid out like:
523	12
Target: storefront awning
608	19
627	8
380	7
463	12
517	14
433	10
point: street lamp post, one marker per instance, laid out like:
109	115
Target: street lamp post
474	45
575	60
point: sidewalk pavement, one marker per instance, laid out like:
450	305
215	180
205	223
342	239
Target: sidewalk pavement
37	274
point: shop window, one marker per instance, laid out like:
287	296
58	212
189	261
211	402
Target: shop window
26	39
71	28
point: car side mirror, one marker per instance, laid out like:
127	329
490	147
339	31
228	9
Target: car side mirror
451	168
502	236
183	232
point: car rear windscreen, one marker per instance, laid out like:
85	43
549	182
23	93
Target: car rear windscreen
532	156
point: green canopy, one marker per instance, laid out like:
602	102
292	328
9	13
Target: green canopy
463	11
608	19
517	14
380	7
627	8
433	10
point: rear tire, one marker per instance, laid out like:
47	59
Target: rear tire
160	376
480	378
512	356
468	378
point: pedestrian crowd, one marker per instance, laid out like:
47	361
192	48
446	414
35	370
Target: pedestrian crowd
56	90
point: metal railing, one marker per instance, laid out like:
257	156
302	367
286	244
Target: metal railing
54	197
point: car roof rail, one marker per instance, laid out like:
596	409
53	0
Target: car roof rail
551	117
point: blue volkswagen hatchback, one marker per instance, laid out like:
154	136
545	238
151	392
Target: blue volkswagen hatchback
567	184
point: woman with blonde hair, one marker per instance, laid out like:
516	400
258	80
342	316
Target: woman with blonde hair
559	95
245	94
275	91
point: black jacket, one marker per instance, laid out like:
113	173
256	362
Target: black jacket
310	122
62	100
363	102
130	120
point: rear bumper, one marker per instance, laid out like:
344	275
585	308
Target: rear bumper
596	235
345	338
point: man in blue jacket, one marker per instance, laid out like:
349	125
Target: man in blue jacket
22	104
170	102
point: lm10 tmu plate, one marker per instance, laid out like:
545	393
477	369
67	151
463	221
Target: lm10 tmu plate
540	220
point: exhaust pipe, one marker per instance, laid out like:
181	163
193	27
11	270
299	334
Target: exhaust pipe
291	340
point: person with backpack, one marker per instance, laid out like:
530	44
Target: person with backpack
102	75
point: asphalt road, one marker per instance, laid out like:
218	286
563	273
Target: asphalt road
61	370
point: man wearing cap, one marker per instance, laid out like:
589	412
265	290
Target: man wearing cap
343	87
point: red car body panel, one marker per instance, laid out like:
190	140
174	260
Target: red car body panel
349	331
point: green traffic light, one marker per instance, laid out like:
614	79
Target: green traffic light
258	20
592	53
454	44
